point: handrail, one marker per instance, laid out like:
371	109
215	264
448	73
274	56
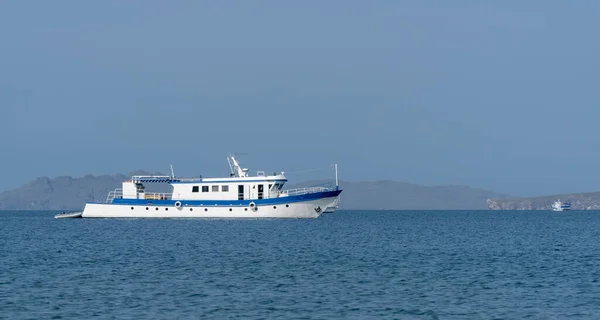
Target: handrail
199	179
118	194
301	191
148	176
157	196
149	179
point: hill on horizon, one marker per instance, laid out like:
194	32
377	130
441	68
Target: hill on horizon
579	201
69	193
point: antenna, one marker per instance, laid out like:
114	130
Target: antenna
172	172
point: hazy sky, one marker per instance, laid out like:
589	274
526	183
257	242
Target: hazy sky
503	96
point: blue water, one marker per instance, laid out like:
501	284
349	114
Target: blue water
406	265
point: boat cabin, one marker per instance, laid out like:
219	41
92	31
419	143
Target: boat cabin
248	188
238	186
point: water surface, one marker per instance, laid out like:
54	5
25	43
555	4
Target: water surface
349	264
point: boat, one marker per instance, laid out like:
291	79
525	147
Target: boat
238	196
561	206
63	215
333	207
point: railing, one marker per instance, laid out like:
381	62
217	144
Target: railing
161	179
151	178
301	191
118	194
191	179
157	196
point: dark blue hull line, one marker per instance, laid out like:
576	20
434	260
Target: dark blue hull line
258	202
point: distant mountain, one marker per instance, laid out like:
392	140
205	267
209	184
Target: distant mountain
579	201
63	193
68	193
394	195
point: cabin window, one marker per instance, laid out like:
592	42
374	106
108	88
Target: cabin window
215	188
195	189
225	188
271	186
260	191
241	192
204	188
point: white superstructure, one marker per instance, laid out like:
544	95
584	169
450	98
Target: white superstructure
561	206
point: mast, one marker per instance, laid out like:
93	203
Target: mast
336	177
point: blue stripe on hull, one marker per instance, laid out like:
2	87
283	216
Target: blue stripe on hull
258	202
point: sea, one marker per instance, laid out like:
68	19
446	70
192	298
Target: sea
342	265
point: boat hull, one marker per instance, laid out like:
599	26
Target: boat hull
301	209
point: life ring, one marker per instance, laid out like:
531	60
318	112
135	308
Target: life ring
252	206
177	204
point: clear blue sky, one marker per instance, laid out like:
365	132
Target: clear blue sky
500	95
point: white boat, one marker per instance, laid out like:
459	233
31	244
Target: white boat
237	196
68	215
333	207
561	206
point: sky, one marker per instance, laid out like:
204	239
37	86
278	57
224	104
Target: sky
500	95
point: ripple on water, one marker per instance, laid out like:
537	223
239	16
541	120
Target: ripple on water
409	265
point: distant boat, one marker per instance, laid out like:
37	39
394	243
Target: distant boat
561	206
69	215
333	207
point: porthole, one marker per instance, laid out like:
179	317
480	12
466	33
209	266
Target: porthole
146	208
131	208
245	209
274	207
230	209
191	209
156	208
287	205
205	209
166	209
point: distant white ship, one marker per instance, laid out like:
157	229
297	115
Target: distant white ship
561	206
333	207
237	196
